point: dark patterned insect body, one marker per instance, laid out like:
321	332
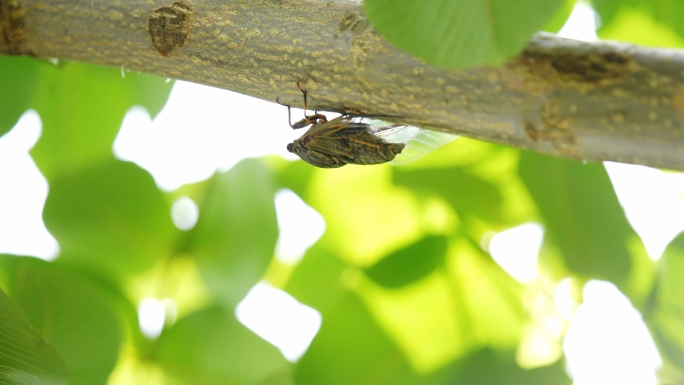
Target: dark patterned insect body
343	141
346	139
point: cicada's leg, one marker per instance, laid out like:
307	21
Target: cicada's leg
309	120
305	97
316	118
289	114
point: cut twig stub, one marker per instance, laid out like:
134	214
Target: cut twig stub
170	27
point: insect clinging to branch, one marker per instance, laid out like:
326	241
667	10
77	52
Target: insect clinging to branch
346	139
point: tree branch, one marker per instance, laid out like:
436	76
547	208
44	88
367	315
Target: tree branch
589	101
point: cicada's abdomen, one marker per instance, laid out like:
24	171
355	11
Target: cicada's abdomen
370	149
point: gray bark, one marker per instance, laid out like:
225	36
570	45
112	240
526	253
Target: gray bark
588	101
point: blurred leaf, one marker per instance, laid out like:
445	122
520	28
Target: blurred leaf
582	215
468	194
666	313
283	377
110	217
558	20
236	232
81	107
411	263
318	280
296	177
427	320
488	300
608	9
657	23
25	359
638	286
350	348
638	27
366	215
486	179
666	12
18	78
458	33
212	347
489	366
72	314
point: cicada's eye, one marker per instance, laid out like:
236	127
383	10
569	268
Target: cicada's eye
289	148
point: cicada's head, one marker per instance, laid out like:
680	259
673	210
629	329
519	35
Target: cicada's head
297	148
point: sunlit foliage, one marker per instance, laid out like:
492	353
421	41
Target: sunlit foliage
402	278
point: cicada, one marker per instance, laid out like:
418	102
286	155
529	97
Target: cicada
350	139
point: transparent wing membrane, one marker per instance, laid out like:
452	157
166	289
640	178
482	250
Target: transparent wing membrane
419	141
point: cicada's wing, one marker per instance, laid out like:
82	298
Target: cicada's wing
325	138
419	142
332	146
333	137
328	128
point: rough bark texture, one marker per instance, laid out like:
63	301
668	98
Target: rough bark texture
590	101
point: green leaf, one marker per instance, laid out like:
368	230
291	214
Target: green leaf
608	9
18	78
110	217
668	13
460	33
492	315
468	194
82	107
73	315
488	301
283	377
351	348
318	279
582	215
212	347
641	23
366	216
236	232
667	304
427	320
468	304
25	358
296	177
558	21
411	263
657	23
489	366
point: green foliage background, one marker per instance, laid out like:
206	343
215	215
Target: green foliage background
407	293
464	33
